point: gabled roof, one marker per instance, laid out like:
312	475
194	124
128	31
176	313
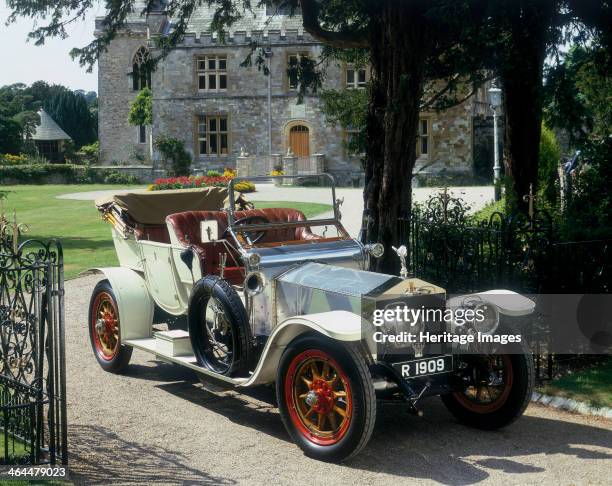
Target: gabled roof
48	129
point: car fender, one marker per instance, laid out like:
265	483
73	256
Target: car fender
508	303
337	325
136	306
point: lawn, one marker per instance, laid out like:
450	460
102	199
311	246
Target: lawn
19	447
86	239
591	385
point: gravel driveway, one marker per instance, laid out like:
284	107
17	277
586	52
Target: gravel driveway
159	425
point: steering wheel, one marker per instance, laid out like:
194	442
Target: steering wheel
251	237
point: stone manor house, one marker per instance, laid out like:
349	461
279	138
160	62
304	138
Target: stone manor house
230	116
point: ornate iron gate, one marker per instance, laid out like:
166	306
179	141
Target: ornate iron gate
33	427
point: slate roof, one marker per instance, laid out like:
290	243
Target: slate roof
48	129
252	21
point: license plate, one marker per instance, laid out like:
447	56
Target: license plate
425	366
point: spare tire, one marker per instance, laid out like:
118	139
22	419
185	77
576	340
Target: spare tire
219	327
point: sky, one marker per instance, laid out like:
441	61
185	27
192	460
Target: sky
23	62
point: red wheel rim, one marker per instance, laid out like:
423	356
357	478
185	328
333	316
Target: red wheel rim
486	398
104	321
318	395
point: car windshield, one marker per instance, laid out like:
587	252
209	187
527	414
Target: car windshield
277	206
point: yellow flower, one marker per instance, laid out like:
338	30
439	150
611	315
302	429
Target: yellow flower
229	173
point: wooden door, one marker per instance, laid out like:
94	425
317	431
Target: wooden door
299	141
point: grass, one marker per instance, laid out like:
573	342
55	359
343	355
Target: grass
591	385
485	213
19	447
86	239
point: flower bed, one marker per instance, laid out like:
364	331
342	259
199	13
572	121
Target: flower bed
193	182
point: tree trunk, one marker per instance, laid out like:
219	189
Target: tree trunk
522	84
399	45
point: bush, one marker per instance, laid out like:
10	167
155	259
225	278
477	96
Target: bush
61	173
88	154
9	159
244	186
213	173
176	159
549	157
589	209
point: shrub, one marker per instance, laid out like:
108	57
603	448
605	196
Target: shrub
64	173
88	154
106	176
176	158
550	154
244	186
213	173
9	159
589	209
275	173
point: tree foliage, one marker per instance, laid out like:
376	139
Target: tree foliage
10	136
71	112
141	110
177	160
422	52
549	158
578	93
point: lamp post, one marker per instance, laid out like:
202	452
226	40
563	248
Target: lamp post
495	100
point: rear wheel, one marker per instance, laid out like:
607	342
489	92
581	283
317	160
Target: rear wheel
104	329
326	397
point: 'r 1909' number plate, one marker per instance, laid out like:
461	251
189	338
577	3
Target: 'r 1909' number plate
425	366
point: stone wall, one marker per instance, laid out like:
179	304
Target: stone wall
450	142
118	139
177	104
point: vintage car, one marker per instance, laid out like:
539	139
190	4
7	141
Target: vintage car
261	296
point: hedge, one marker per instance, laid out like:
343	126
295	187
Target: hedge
61	174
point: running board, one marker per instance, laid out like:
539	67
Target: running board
150	346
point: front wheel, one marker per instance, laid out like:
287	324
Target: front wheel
498	390
104	325
326	397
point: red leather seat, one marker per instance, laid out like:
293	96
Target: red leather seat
150	232
186	226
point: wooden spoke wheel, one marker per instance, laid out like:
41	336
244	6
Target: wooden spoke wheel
319	396
497	388
104	329
326	397
492	382
105	323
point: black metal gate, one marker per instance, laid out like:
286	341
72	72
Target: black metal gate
33	428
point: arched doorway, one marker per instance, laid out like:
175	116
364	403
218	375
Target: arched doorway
299	140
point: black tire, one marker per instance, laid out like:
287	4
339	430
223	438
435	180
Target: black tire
117	360
206	288
514	405
363	399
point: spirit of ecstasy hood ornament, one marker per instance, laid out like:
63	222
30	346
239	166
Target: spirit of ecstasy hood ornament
402	253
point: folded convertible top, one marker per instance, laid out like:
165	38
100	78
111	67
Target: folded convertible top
152	207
